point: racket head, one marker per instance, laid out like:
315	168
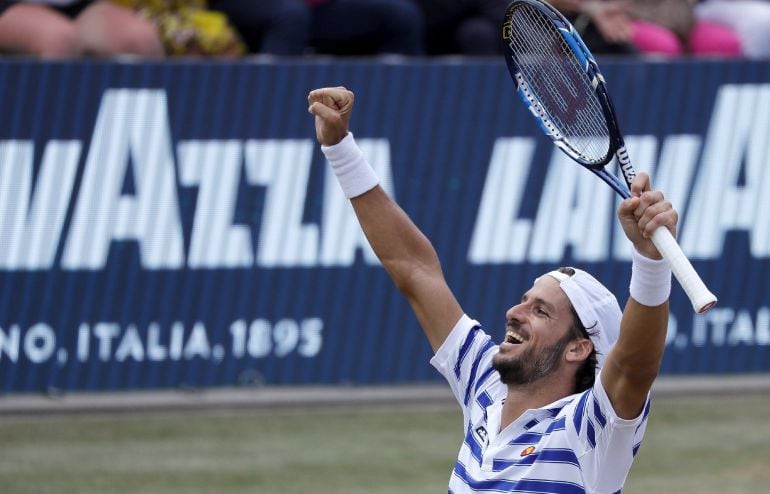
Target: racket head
559	81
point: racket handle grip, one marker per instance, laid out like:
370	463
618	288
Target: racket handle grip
700	296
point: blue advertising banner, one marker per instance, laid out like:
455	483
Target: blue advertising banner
174	224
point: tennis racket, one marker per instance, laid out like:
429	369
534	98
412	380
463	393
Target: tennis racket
559	81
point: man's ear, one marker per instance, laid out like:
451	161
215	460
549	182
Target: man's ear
579	350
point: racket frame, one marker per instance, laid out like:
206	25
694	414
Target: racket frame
700	297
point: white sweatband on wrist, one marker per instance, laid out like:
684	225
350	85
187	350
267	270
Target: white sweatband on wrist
353	172
650	280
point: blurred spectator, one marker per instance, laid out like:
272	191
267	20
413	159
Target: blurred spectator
188	27
669	28
661	27
466	27
72	28
337	27
278	27
657	27
360	27
749	19
605	26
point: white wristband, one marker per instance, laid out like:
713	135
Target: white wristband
650	280
353	172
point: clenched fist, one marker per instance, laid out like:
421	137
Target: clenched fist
332	107
642	213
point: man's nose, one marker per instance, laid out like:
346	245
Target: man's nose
514	313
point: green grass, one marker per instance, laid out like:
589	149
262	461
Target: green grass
717	445
705	445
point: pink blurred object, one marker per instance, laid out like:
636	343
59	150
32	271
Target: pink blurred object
710	38
651	38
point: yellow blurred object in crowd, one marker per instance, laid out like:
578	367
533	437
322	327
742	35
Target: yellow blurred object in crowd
189	28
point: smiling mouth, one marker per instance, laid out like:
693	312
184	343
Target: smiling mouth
513	337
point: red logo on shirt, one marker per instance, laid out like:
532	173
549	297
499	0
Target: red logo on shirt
528	451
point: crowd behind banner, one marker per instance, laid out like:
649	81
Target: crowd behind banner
234	28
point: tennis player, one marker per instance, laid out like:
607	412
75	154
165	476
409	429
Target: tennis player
560	405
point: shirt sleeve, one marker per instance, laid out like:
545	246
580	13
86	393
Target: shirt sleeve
607	444
465	359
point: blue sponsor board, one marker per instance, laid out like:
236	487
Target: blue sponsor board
175	225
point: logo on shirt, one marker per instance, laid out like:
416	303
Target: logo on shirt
481	435
528	451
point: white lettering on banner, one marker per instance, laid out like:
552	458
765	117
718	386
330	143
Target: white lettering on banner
176	341
132	136
84	342
131	127
112	342
39	343
284	240
737	144
9	343
198	343
130	346
105	332
499	235
260	337
215	168
727	327
571	201
572	212
32	224
155	350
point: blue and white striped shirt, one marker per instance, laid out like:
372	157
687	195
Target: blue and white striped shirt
575	445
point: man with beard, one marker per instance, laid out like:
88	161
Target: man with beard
561	404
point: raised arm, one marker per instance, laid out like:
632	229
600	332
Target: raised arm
633	364
407	255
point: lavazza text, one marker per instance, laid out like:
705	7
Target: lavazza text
49	223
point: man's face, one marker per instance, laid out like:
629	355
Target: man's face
537	333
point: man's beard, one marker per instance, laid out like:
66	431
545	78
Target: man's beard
528	367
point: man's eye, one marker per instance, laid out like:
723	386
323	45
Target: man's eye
541	312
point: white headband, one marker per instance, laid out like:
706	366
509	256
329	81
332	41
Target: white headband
596	307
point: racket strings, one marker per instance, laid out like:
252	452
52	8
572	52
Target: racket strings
560	82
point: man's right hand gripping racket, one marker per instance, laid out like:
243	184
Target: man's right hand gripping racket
558	79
